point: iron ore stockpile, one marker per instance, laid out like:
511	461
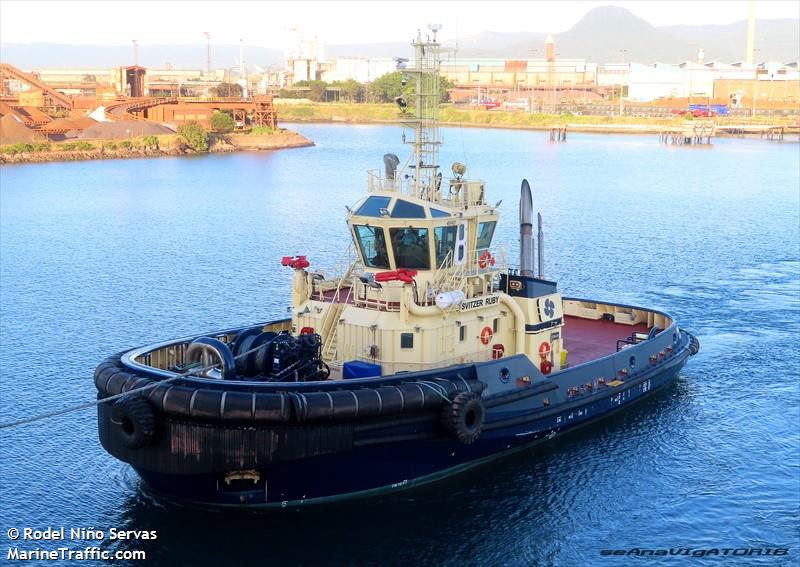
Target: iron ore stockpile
13	132
122	129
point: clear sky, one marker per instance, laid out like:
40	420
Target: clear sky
267	24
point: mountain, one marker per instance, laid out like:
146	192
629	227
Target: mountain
370	50
489	44
603	32
775	39
599	36
52	55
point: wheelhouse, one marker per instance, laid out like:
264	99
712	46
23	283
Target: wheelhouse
394	232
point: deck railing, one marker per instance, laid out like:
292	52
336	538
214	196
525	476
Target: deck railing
449	192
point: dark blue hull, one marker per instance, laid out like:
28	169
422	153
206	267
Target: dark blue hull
413	453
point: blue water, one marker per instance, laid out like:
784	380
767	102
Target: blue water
99	256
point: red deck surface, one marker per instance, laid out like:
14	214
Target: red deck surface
588	339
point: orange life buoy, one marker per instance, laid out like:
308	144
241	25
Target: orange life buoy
546	367
485	260
486	335
544	349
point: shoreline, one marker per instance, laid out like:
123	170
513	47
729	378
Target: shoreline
352	113
599	128
285	139
571	127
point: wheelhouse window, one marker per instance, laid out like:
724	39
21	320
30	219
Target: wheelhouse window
372	243
445	242
410	247
373	205
405	210
485	233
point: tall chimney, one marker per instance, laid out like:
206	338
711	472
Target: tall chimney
526	230
751	31
550	48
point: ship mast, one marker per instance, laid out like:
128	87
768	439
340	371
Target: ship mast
422	166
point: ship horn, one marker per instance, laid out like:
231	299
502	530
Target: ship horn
526	230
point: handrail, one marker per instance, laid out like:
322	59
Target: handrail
454	192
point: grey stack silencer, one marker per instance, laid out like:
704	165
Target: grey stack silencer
526	230
390	162
540	238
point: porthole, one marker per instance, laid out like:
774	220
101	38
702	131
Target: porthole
632	361
505	374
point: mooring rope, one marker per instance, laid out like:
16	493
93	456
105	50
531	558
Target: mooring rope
115	397
437	389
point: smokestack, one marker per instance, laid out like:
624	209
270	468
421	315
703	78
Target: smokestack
208	52
540	238
526	230
242	71
550	48
751	31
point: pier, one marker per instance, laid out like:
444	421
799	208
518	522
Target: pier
698	132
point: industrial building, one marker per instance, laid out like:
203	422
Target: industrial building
55	103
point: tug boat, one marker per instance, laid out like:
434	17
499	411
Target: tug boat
427	356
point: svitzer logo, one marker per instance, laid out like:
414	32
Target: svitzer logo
549	308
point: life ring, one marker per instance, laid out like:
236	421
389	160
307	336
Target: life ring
134	420
544	349
486	335
485	260
464	417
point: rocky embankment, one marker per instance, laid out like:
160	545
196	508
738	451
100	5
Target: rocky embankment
281	139
278	140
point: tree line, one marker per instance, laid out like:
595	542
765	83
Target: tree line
385	88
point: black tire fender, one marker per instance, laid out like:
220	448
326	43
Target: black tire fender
464	417
134	421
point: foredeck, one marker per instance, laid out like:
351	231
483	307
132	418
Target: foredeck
589	339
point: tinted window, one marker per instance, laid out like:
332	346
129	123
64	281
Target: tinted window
410	247
372	206
405	210
445	242
438	213
485	233
372	243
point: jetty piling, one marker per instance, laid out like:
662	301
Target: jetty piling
558	133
